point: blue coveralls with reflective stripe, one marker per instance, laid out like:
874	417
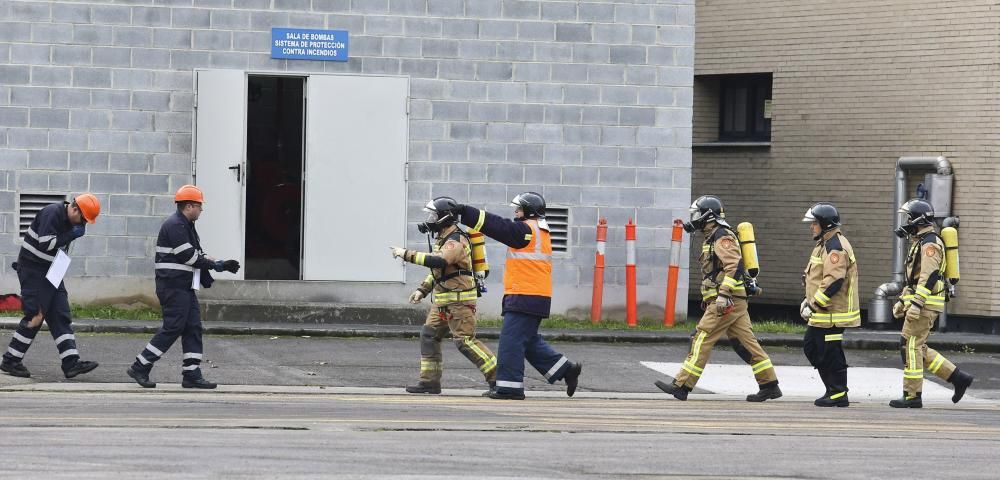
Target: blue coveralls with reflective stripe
178	257
50	231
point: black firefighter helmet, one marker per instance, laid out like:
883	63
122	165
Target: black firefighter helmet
706	208
531	203
919	213
825	214
439	215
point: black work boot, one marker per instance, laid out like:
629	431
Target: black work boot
767	391
837	385
78	368
833	399
572	378
825	377
141	377
425	387
199	382
679	392
15	369
961	381
908	401
505	395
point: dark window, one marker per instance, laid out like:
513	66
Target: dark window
744	108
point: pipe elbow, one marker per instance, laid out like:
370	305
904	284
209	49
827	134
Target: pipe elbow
939	164
888	289
943	165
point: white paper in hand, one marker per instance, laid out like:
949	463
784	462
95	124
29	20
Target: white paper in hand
58	268
196	280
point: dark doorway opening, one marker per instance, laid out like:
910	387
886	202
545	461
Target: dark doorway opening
275	125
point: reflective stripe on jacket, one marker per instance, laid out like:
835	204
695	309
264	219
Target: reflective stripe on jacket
178	254
50	230
831	278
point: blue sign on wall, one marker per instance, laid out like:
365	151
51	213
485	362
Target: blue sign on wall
303	44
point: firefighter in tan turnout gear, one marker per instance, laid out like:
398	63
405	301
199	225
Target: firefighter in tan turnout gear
920	304
831	303
454	290
724	297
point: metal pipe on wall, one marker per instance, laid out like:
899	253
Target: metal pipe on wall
880	309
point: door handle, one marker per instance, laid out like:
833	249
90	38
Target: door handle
239	171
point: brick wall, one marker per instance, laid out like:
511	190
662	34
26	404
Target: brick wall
588	102
857	84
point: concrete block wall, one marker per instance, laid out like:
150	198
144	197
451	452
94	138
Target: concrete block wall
857	84
587	102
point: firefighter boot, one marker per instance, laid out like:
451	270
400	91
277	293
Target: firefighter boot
825	377
679	392
907	401
837	386
767	391
572	378
425	387
141	377
15	369
493	388
841	400
80	367
961	381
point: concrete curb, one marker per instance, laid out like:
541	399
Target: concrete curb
314	313
862	339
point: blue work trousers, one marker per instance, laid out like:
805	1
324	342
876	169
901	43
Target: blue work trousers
520	341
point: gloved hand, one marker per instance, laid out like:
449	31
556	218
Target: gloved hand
231	266
219	266
805	310
898	310
723	305
416	297
397	252
457	210
78	231
913	313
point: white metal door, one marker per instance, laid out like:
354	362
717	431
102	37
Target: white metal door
220	145
355	190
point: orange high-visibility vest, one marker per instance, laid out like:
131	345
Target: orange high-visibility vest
529	269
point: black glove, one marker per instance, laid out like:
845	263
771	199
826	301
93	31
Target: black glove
457	210
78	231
231	266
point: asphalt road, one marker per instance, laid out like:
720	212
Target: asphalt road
358	362
322	408
239	435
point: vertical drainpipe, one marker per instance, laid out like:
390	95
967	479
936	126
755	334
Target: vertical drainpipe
880	309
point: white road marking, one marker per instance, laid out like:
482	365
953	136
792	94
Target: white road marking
864	383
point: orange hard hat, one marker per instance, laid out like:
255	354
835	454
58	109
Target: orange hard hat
89	205
189	193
